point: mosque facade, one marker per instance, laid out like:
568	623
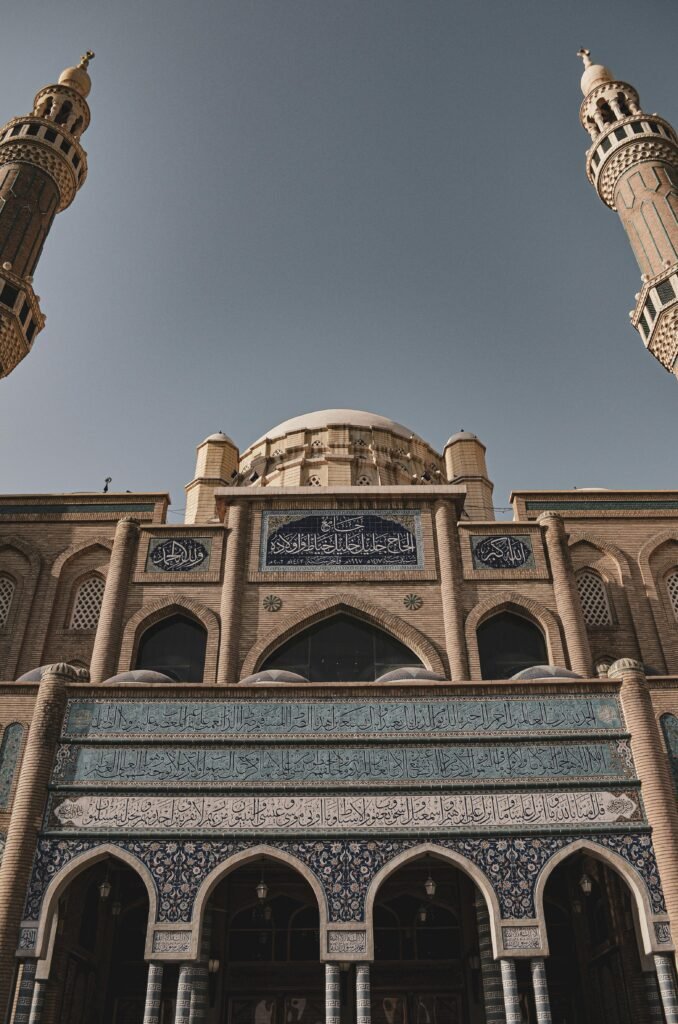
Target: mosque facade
342	746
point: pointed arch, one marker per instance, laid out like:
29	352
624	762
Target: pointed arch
238	860
349	604
76	866
620	559
511	601
654	579
622	867
451	857
76	549
23	599
155	611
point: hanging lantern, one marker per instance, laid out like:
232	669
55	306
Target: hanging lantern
116	908
422	914
585	884
104	890
262	890
430	886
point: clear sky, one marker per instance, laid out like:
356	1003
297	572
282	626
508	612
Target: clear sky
301	204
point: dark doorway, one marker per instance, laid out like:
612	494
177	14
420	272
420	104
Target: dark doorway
508	643
176	647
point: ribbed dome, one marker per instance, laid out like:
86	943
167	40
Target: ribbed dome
326	417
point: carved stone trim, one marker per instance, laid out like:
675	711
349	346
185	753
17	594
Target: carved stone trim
347	941
521	937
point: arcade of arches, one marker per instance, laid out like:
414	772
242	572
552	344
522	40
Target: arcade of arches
259	960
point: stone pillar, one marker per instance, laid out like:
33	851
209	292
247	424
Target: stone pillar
510	984
24	1001
109	629
199	994
182	1013
363	1001
38	1001
451	576
666	979
332	994
654	773
27	811
541	990
490	971
655	1014
228	667
153	994
566	595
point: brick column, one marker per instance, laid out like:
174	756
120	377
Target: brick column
38	1001
451	576
666	979
566	595
332	994
182	1013
655	1014
153	1002
27	811
490	972
228	667
24	1002
109	629
363	1001
510	984
654	773
541	991
199	994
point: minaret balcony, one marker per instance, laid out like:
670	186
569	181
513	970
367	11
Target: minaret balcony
20	320
656	317
645	137
48	146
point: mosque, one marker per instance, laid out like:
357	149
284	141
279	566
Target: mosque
341	747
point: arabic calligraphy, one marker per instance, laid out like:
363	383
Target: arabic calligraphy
355	813
323	538
506	552
210	765
179	554
238	718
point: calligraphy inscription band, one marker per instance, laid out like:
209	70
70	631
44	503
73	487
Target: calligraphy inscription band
215	765
508	551
322	539
178	554
237	719
357	813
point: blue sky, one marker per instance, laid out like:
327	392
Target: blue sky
300	204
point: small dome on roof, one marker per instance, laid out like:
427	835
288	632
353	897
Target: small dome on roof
77	78
462	435
330	417
140	675
594	74
220	436
273	675
414	672
546	672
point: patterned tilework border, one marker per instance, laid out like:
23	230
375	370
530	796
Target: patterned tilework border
345	868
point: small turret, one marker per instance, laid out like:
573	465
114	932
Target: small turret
42	167
465	464
216	466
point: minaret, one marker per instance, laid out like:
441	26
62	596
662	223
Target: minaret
633	165
42	166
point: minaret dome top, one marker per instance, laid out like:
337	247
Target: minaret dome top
77	77
594	74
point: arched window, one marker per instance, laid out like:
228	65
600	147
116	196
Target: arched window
593	598
669	724
342	649
176	647
508	643
87	603
672	589
10	748
7	588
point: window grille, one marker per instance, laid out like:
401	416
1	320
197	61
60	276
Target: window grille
672	587
363	481
7	588
87	604
593	599
314	481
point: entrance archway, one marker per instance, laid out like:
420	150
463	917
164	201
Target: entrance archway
98	972
261	933
594	970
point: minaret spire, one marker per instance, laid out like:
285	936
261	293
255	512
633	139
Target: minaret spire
633	165
42	167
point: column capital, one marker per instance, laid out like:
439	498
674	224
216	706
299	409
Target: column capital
61	670
619	668
547	519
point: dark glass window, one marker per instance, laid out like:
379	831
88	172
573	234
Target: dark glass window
280	930
637	128
643	322
25	310
65	145
649	306
655	128
342	649
605	145
76	160
16	129
33	129
665	292
8	296
175	647
620	133
50	135
595	158
507	644
30	331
